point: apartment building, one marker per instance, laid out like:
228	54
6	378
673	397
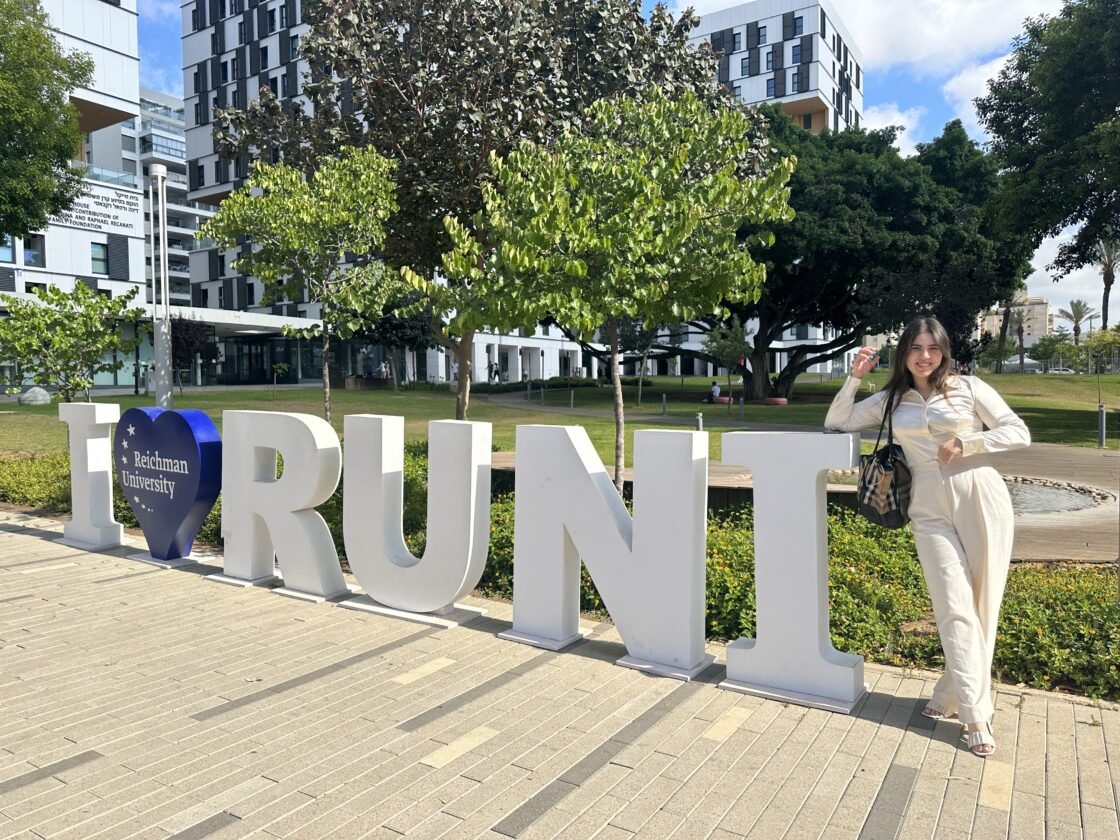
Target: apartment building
796	53
1038	320
231	50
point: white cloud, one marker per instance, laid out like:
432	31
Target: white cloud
889	113
930	37
968	84
161	9
1084	284
161	71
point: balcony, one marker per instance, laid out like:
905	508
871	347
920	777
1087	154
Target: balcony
106	176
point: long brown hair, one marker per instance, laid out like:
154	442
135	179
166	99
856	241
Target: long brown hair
900	380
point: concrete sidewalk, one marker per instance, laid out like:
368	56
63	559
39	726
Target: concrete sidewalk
138	702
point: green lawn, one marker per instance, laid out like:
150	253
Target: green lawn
1058	409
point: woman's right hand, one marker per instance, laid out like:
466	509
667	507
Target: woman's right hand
865	360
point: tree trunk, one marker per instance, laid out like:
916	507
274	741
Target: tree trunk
393	370
1001	346
1076	334
730	392
641	375
1109	277
760	374
1022	351
464	352
619	412
326	369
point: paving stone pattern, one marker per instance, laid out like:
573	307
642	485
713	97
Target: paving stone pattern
147	703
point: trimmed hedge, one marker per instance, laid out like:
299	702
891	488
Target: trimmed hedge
1059	627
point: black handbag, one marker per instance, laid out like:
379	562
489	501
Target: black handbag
884	481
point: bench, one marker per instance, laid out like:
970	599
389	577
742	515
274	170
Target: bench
721	400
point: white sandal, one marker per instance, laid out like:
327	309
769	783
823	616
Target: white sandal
935	712
981	741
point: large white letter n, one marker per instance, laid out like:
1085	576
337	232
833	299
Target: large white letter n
649	570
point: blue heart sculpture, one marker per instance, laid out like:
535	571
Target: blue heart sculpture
169	465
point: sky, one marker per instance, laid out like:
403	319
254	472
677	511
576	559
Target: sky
924	63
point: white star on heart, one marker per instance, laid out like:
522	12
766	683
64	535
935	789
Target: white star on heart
136	499
132	430
124	459
125	444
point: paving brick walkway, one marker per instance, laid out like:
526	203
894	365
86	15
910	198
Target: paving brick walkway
138	702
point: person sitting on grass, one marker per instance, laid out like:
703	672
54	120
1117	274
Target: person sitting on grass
713	394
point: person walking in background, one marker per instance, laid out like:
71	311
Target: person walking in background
960	510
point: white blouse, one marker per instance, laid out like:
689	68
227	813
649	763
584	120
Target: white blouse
968	405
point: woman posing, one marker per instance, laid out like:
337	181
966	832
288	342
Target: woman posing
960	509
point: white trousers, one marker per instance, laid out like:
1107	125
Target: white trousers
963	528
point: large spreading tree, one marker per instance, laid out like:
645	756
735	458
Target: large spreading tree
634	214
305	229
1053	114
444	84
38	124
876	239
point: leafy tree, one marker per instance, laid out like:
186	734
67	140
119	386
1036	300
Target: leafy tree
37	121
303	230
64	339
189	338
633	216
1052	113
1079	311
398	331
444	92
634	337
993	355
729	343
1018	325
1106	256
877	239
865	219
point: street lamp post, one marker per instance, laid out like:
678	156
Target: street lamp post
161	314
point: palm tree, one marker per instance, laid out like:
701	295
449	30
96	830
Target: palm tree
1079	311
1106	254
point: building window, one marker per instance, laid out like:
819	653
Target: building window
807	121
35	251
284	85
295	45
7	253
271	20
241	32
99	258
858	78
221	265
221	8
737	92
204	298
770	59
736	42
250	294
197	82
761	35
264	57
237	99
236	67
221	298
198	113
200	174
217	172
225	71
283	17
822	23
273	86
796	54
196	22
214	42
798	26
796	82
744	67
770	88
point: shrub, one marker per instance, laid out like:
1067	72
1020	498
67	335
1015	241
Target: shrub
1059	627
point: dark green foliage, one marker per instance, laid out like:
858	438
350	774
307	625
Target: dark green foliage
38	124
1053	113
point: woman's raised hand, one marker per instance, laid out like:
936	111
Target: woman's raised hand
865	360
